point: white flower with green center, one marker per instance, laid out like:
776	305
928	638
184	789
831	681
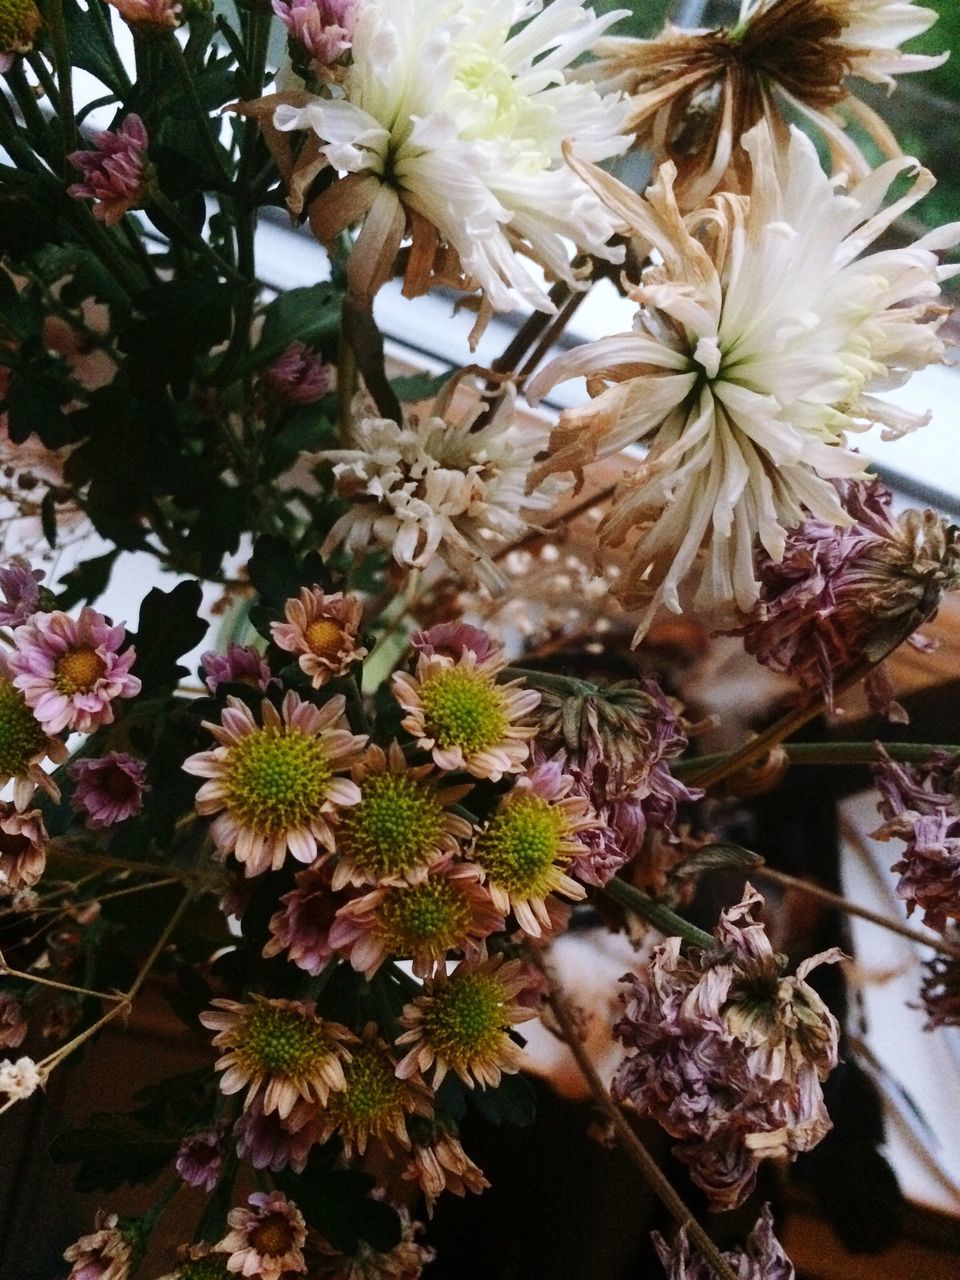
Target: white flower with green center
450	130
760	340
462	1022
458	712
274	786
401	825
279	1051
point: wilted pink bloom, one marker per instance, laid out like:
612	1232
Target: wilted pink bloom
322	630
299	376
452	640
13	1024
302	928
241	664
149	17
108	790
728	1053
70	671
940	989
324	28
267	1239
105	1254
201	1157
23	847
21	591
921	803
116	173
405	1261
762	1259
270	1142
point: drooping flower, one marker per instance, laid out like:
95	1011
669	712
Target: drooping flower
13	1023
105	1254
405	1261
428	486
402	823
323	29
301	930
298	376
448	910
835	589
279	1051
271	1142
921	805
462	1022
527	846
20	1079
940	989
116	173
450	130
728	1053
760	340
109	789
265	1240
452	640
459	713
19	24
439	1163
274	787
695	93
241	664
763	1257
70	670
23	847
322	630
20	585
201	1158
149	17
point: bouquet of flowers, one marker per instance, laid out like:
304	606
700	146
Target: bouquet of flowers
345	849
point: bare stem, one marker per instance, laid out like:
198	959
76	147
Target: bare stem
8	972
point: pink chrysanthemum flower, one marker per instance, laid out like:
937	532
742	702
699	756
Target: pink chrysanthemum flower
728	1053
20	585
458	712
279	1051
301	930
270	1142
267	1239
273	786
452	640
448	910
322	28
322	630
241	664
298	376
105	1254
462	1022
921	805
439	1163
405	1261
201	1157
528	844
70	670
24	744
402	824
149	17
23	848
108	790
116	174
13	1024
762	1259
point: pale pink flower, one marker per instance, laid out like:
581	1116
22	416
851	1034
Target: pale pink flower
452	640
439	1163
105	1254
322	630
20	585
405	1261
20	1079
241	664
70	670
108	790
270	1142
13	1023
267	1239
301	930
298	376
23	847
201	1157
762	1259
116	173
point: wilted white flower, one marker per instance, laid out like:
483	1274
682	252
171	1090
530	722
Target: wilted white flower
19	1079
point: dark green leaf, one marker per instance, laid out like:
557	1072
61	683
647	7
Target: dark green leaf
48	517
273	570
86	581
418	386
718	857
113	1150
337	1203
169	626
88	46
514	1102
309	315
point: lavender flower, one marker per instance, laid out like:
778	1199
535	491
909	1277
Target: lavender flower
201	1157
302	928
728	1053
452	640
323	28
116	175
21	591
108	790
271	1143
762	1259
298	376
241	664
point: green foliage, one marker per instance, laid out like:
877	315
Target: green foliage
337	1203
114	1150
168	627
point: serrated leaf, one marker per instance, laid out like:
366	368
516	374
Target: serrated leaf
169	626
273	569
514	1102
337	1203
113	1150
87	581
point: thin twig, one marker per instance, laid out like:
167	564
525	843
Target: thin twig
7	972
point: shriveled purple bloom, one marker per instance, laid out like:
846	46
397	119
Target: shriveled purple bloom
728	1053
271	1143
921	804
299	376
116	173
940	988
201	1158
109	789
837	588
323	28
13	1023
302	928
20	585
762	1258
452	640
241	664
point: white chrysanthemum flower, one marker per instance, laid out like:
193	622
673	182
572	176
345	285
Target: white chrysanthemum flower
760	339
430	487
450	131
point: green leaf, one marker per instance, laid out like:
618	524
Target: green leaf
273	570
309	315
169	626
418	386
718	857
88	46
514	1102
113	1150
180	321
87	581
337	1203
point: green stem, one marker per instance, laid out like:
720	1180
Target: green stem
818	753
45	79
37	125
172	214
182	71
656	913
61	57
97	12
568	686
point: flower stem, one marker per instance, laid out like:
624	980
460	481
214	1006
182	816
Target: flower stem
657	914
56	24
182	72
814	753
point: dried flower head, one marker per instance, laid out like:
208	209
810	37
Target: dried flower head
452	640
759	341
108	790
298	376
279	1051
728	1053
13	1022
105	1254
23	847
762	1258
241	664
694	93
20	1079
201	1157
272	1142
20	23
301	930
116	173
322	630
20	585
199	1262
267	1239
439	1163
149	18
273	786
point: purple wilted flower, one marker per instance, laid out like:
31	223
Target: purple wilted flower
763	1257
20	585
324	28
201	1157
940	989
921	804
298	376
269	1142
302	928
241	664
452	640
116	174
108	790
105	1254
728	1053
13	1024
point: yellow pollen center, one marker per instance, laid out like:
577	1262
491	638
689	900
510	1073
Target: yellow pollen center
21	737
464	708
79	670
464	1021
273	1236
426	919
394	828
281	1042
325	638
19	24
275	780
522	846
373	1098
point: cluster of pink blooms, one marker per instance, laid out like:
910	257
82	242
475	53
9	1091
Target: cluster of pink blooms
116	174
728	1053
323	29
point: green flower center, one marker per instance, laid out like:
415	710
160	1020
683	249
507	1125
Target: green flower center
78	671
463	708
394	828
212	1267
276	779
464	1021
325	638
19	23
373	1097
433	916
521	846
21	736
281	1042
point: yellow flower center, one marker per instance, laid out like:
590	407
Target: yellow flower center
394	828
274	1236
520	848
78	671
463	708
430	917
325	638
275	780
281	1042
373	1098
464	1020
19	24
21	737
